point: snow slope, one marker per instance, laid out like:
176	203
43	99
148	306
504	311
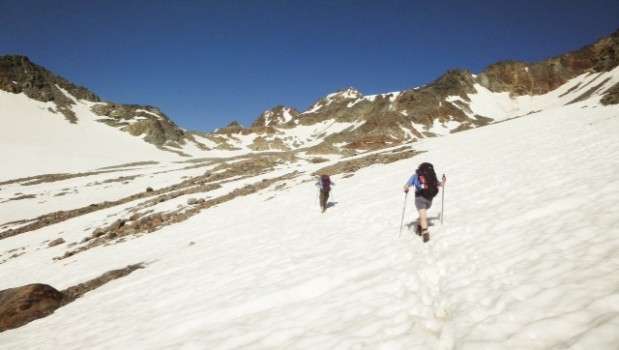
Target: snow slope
38	141
527	257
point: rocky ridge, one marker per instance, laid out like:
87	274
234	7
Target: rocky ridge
345	122
19	75
389	119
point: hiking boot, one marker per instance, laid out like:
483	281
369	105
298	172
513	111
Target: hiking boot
426	235
418	231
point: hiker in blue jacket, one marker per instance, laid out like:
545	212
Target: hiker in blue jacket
426	187
324	184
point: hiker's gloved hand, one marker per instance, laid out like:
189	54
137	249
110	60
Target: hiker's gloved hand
406	189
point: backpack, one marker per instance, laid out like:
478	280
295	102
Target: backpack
428	180
326	183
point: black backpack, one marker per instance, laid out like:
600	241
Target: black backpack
326	183
428	180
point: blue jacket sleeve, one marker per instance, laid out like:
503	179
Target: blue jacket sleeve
413	181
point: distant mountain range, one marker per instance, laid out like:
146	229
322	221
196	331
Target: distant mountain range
345	122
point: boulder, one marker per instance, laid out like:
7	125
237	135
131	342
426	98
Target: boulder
21	305
56	242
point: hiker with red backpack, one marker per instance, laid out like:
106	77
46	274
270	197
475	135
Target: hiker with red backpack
324	184
426	188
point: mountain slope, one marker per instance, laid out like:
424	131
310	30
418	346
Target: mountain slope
18	75
526	258
342	124
36	140
345	122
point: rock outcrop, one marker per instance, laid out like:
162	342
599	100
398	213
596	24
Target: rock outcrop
276	116
137	120
21	305
18	74
520	78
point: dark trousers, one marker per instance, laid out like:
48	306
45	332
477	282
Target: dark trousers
324	196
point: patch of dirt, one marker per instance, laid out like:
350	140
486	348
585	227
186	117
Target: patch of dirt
48	178
77	291
129	165
588	93
351	166
13	253
25	196
141	223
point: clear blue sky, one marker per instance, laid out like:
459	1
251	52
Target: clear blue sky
208	63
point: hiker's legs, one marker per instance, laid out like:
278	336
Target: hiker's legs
323	200
422	206
423	218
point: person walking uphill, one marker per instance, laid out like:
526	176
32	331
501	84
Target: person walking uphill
426	188
324	184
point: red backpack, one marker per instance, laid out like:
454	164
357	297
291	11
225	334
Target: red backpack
326	183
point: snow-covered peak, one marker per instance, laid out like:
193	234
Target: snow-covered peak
336	97
346	94
278	116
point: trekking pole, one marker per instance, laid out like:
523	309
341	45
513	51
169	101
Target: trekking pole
316	200
403	211
443	202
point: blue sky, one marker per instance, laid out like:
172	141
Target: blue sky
208	63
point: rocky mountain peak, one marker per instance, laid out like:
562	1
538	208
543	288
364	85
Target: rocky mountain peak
18	74
336	99
521	78
276	116
233	128
346	94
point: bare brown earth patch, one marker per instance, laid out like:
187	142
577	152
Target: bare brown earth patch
140	223
240	169
351	166
588	93
23	196
130	165
48	178
13	253
143	218
77	291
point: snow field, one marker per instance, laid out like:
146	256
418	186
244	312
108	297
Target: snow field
526	259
